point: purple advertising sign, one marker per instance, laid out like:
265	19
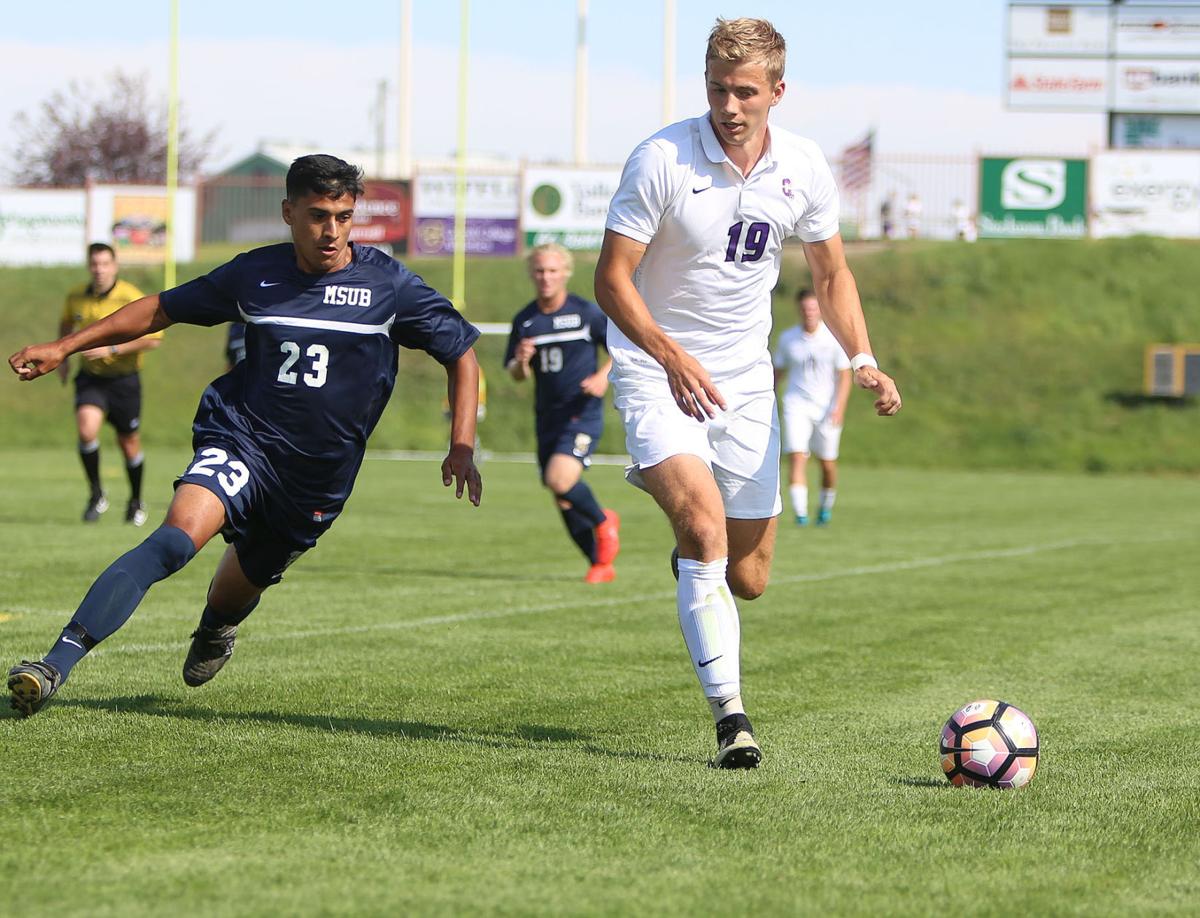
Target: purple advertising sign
485	236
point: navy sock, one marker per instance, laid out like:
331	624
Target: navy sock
89	455
117	592
584	502
582	532
211	618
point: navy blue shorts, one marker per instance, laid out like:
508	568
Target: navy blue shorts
578	437
119	397
265	528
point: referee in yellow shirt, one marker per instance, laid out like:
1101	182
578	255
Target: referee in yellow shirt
107	384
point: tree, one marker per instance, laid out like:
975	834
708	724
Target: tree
111	135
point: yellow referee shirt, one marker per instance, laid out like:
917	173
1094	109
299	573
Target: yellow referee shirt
83	309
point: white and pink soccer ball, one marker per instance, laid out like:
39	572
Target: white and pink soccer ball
989	744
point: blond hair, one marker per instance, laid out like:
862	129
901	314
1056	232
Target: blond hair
737	41
562	252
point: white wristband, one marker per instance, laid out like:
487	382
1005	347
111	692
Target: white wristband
858	361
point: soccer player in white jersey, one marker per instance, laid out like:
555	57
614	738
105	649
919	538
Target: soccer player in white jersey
691	252
814	404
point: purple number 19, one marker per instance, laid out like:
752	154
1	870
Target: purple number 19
756	241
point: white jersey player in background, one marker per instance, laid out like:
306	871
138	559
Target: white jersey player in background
814	404
691	252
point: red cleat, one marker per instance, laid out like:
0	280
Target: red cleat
608	539
600	573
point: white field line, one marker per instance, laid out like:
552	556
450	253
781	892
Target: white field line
600	603
419	455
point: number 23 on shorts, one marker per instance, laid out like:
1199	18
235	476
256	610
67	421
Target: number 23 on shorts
231	474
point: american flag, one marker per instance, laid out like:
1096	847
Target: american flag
856	164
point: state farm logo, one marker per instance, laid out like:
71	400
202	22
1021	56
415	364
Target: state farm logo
1041	82
1033	184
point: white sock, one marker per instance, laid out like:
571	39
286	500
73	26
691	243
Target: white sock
709	621
799	499
828	496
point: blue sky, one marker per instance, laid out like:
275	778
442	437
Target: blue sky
927	74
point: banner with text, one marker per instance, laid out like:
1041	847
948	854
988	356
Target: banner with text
1146	192
42	227
1032	197
492	205
567	206
382	216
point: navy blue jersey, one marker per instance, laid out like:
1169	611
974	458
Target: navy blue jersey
235	343
321	354
566	342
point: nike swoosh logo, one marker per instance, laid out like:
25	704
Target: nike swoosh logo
67	640
527	323
704	663
721	704
265	284
698	190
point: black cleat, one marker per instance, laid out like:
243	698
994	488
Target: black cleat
211	649
675	561
31	685
135	512
96	505
736	747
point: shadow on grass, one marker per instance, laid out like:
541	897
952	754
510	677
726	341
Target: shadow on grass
516	737
1141	400
922	782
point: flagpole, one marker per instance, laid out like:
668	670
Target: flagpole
459	283
172	146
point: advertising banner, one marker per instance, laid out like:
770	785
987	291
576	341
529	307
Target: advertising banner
1149	85
1054	28
492	205
382	217
133	220
42	227
1150	31
1156	132
1154	192
1032	197
567	206
1078	85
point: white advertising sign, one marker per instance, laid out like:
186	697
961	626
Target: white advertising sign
1156	193
1148	31
133	220
1149	85
42	227
568	206
487	196
1058	29
1079	85
1156	132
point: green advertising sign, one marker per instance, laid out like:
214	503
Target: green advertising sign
1032	197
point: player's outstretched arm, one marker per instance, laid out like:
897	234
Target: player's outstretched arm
458	468
141	317
617	295
842	311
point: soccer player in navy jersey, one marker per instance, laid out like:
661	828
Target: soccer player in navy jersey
555	338
279	438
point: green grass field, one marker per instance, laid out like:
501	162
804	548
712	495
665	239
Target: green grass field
433	715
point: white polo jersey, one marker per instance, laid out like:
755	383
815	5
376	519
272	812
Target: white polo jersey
714	239
813	362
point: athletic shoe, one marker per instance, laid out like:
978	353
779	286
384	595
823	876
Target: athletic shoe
823	517
135	512
32	684
600	573
801	519
736	747
95	506
211	648
675	562
608	539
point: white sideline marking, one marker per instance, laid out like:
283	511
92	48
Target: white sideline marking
481	615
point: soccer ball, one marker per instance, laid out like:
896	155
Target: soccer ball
989	744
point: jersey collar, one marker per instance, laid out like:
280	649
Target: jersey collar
716	153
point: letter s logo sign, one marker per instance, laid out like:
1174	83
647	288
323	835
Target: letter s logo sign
1033	184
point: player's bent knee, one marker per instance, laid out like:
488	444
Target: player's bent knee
748	587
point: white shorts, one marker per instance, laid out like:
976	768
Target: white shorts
807	429
740	446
